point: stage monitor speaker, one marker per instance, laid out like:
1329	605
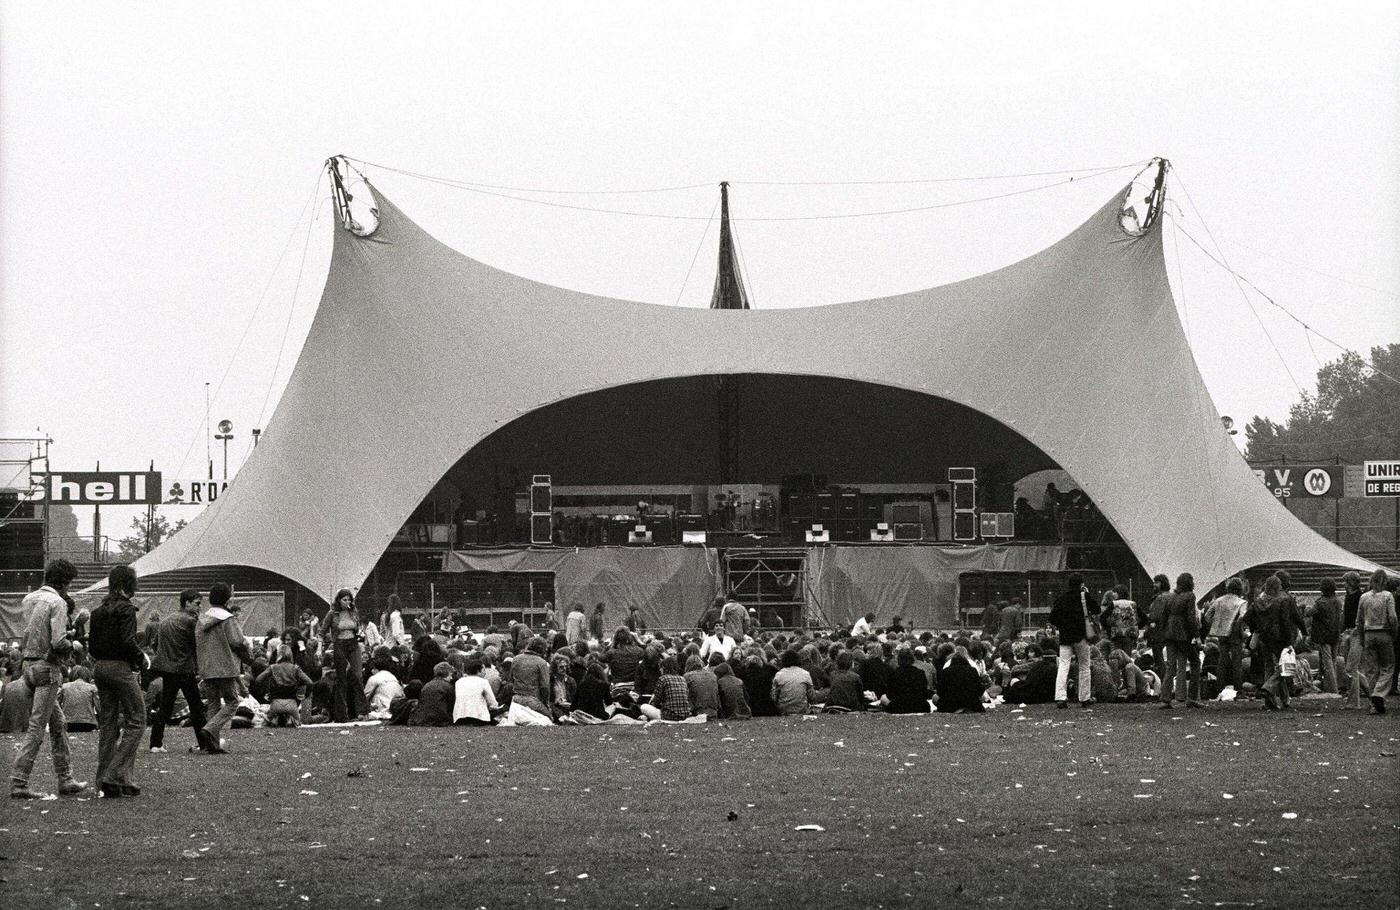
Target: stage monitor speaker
542	528
968	475
693	537
818	534
541	497
964	525
989	524
639	534
908	530
882	532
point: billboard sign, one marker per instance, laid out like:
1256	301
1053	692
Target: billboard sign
193	492
1303	481
102	488
1382	478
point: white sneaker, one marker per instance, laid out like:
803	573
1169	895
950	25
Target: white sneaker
157	748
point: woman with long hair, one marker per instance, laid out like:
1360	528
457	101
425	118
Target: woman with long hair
391	623
343	634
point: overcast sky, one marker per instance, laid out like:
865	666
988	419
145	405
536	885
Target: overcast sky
156	163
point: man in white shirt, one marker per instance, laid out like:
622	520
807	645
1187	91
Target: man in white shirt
474	704
864	626
381	689
717	642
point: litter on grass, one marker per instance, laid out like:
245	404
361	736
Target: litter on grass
809	828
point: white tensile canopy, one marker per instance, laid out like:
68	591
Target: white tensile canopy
1096	372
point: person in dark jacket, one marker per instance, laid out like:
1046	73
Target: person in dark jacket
960	686
594	694
1156	623
908	687
733	698
175	664
875	670
1068	616
1271	619
1181	630
757	675
436	700
121	708
846	689
1324	617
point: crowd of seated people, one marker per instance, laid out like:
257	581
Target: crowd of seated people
733	670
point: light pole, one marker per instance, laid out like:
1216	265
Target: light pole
225	433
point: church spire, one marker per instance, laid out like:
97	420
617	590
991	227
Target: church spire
729	284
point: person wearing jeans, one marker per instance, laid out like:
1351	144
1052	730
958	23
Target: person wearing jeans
1224	618
46	641
121	708
175	664
1070	616
1179	637
220	652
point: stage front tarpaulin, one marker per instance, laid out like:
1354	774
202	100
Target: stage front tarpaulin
919	583
671	586
258	612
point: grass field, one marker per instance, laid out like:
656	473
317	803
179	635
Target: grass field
1122	806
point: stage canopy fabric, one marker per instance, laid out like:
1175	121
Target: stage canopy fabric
1094	368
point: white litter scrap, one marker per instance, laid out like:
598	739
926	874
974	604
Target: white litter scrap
809	828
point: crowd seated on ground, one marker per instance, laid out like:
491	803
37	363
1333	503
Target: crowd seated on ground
730	670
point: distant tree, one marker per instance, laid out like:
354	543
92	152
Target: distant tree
1354	415
134	544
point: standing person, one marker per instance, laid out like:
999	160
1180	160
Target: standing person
121	707
991	619
176	665
1324	618
735	619
1182	627
576	624
343	635
1271	620
220	652
595	623
864	626
1069	616
1351	602
391	622
1377	621
1011	621
1225	621
45	646
635	622
1121	618
1156	613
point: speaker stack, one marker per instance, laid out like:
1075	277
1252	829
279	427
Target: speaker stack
541	510
964	481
